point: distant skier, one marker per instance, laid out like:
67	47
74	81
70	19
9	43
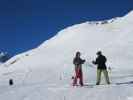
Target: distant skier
100	61
77	61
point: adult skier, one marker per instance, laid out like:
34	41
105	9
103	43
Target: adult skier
77	61
101	63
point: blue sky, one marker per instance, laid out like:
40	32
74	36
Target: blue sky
25	24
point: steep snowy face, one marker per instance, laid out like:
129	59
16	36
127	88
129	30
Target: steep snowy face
113	38
54	56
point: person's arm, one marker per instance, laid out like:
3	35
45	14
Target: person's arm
74	61
105	59
82	61
95	62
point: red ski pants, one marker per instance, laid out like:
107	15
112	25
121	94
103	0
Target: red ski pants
78	75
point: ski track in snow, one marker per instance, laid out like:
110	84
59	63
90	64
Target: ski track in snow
43	91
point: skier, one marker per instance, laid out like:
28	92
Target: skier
100	61
77	61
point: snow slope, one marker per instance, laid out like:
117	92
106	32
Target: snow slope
45	72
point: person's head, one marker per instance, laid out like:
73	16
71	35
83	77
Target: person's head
78	54
99	53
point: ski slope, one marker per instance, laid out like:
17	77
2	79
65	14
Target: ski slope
44	73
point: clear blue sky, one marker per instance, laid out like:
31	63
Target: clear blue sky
24	24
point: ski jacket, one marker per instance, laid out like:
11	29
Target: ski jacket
78	61
100	61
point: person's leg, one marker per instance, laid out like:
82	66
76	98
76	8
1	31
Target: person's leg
81	77
78	72
98	76
75	81
76	76
106	76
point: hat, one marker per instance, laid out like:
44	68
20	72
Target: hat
99	53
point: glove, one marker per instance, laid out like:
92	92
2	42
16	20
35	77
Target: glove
93	62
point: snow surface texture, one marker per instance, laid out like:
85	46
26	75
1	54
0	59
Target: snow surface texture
45	72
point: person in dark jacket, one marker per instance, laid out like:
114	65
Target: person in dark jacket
101	63
77	61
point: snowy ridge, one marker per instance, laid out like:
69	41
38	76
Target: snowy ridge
45	72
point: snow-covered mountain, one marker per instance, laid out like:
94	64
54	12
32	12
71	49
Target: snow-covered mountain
45	72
